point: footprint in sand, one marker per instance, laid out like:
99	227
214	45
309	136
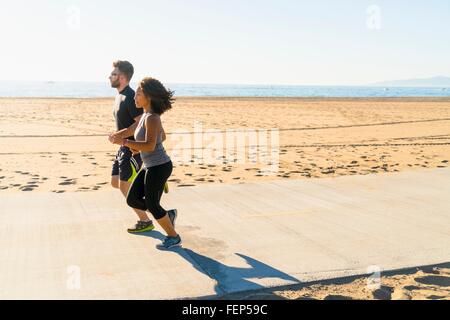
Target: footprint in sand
440	281
26	189
384	293
3	188
200	179
336	297
186	185
66	183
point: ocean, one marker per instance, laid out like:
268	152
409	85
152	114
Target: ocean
102	89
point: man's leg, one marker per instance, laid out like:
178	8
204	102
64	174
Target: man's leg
115	182
115	174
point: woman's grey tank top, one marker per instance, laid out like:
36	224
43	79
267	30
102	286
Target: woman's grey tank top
159	155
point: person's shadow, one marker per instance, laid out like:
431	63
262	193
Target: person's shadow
228	279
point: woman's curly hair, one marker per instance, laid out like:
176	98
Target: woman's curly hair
161	99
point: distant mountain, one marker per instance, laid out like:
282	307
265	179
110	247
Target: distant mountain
443	82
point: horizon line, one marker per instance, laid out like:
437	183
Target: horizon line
374	84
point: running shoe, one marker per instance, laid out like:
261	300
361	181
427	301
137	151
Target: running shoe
142	226
169	243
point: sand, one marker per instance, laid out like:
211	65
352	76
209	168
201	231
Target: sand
421	283
60	145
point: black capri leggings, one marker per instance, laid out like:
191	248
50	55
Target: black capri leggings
147	188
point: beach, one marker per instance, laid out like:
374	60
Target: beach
61	146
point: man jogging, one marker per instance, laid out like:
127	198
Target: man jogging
127	117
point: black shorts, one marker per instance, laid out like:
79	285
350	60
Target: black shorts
126	166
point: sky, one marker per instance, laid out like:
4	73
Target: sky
292	42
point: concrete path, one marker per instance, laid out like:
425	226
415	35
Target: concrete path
236	237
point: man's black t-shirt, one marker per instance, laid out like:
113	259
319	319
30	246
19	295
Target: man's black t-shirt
125	109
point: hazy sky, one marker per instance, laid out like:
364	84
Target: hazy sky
235	41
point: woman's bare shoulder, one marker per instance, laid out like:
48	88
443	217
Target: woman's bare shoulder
153	120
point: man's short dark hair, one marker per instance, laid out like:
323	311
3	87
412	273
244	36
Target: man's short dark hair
125	68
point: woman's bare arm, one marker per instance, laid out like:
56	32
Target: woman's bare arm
152	129
163	134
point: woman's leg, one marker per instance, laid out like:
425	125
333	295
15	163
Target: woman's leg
136	193
155	180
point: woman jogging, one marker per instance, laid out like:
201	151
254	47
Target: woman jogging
147	188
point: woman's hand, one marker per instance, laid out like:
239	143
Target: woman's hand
115	139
